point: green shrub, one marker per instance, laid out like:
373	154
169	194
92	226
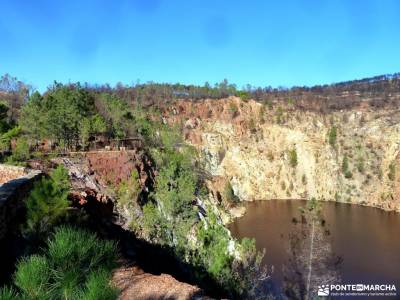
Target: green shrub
91	126
293	158
332	135
98	288
21	151
176	184
245	96
128	190
76	248
360	165
250	269
170	139
345	168
47	203
32	276
215	251
392	171
345	164
5	138
169	219
238	277
229	194
8	293
348	174
154	225
4	124
75	265
304	179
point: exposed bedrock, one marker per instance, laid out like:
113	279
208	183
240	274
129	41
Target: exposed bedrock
275	151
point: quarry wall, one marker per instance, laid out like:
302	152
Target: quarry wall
276	151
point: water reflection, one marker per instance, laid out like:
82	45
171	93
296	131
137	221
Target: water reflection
366	239
311	261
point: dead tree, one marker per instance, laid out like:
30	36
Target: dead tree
311	261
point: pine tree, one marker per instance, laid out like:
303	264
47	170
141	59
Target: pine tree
47	203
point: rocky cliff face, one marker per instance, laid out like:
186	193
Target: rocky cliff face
277	152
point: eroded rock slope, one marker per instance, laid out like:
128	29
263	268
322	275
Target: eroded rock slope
274	151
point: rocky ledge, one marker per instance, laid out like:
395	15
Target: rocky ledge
136	284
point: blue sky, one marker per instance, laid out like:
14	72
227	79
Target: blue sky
278	43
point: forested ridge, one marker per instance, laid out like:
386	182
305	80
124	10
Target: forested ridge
379	91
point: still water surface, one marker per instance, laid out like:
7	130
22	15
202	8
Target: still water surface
368	239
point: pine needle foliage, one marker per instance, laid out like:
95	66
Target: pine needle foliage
75	265
47	203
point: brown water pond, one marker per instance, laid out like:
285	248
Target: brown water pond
367	239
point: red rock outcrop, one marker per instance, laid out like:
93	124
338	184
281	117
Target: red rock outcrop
112	167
